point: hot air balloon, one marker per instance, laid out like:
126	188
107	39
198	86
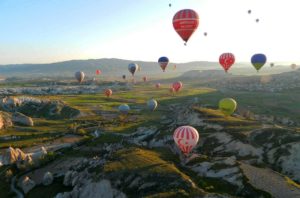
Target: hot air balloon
98	72
157	85
172	90
170	5
186	138
258	61
249	11
108	92
226	60
124	108
205	33
152	104
272	64
124	77
293	66
177	86
79	76
185	23
145	78
257	20
163	62
227	106
133	67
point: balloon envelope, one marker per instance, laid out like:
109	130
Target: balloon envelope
163	62
258	61
177	85
185	23
108	92
226	60
152	104
98	71
227	106
79	76
124	108
186	138
133	67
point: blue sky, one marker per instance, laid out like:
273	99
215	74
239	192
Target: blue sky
42	31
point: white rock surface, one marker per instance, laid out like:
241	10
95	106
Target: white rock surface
48	179
27	184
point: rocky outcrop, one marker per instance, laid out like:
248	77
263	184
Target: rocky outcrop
5	120
11	156
224	143
21	119
101	189
27	184
143	135
48	179
226	169
33	107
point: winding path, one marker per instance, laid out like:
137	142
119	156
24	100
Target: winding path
270	181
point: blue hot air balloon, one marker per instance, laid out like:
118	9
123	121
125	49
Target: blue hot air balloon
163	62
124	108
258	61
133	67
152	104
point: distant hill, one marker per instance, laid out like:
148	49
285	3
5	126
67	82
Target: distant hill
113	67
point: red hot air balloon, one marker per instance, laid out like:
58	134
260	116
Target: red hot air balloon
145	78
157	85
185	23
186	138
226	60
177	86
108	92
98	71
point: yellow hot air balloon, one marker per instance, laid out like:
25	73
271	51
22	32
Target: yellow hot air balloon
227	106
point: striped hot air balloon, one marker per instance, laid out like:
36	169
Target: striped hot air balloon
185	23
177	86
186	138
226	60
108	92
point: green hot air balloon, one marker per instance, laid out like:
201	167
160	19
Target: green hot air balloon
227	106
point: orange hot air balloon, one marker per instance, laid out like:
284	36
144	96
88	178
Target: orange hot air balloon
177	86
226	60
144	78
185	23
157	85
108	92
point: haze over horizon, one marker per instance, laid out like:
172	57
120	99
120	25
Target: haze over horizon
55	31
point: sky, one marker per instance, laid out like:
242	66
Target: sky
46	31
